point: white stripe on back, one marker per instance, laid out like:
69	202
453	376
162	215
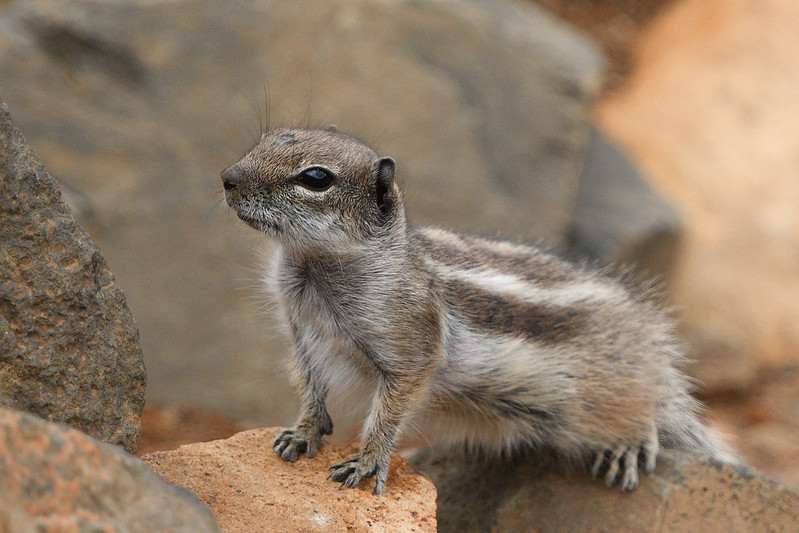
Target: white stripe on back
502	283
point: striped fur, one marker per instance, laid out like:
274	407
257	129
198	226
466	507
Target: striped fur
501	346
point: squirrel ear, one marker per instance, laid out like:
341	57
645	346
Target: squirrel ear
331	128
384	190
385	171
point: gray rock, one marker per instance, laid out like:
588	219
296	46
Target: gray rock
683	495
138	105
58	479
69	349
620	218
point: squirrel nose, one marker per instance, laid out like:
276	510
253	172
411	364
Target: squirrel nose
232	177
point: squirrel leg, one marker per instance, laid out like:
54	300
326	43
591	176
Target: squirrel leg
313	422
392	403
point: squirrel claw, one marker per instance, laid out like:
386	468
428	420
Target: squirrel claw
292	442
354	468
622	462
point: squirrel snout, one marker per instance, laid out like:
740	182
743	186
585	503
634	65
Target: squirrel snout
232	177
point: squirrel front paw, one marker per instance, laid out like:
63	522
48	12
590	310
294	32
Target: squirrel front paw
305	437
354	468
294	441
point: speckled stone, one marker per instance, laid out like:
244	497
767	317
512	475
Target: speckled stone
55	479
250	488
69	348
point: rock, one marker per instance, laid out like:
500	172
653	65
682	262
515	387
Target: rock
710	114
614	24
720	358
683	494
69	348
620	219
54	478
138	106
765	422
12	518
250	488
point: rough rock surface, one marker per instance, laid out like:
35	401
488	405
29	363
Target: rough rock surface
55	479
250	488
138	105
69	348
683	495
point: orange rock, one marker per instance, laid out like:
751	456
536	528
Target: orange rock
710	114
57	479
249	488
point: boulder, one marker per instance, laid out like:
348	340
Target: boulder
684	494
250	488
69	348
53	479
138	105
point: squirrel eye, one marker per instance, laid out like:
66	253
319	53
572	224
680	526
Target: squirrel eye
315	179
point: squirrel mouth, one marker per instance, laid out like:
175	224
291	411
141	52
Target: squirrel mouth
259	224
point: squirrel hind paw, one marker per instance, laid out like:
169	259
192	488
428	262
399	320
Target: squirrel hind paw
650	451
620	465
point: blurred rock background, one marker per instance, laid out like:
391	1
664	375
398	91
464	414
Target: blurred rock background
526	120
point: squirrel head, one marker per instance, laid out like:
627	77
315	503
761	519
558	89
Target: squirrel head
315	188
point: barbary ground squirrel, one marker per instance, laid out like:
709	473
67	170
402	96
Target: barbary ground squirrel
498	345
